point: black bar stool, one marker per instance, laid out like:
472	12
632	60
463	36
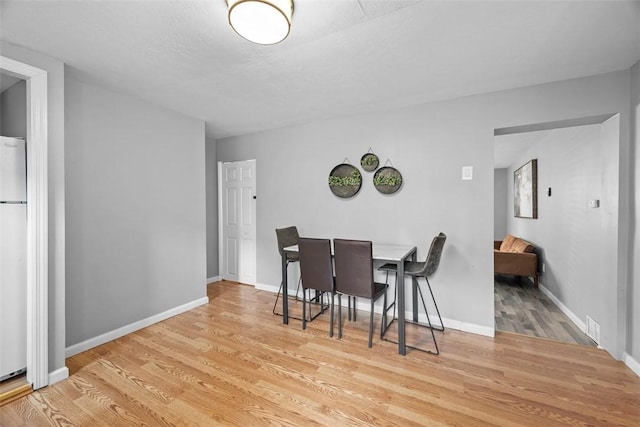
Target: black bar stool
421	269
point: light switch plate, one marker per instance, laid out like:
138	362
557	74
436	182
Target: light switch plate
467	173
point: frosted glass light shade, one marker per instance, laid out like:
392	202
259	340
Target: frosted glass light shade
261	21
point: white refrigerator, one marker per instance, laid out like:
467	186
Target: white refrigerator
13	257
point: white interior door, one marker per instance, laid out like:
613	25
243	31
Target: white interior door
238	221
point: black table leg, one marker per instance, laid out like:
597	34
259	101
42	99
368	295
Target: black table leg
402	349
285	291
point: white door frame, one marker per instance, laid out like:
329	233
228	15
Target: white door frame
221	226
37	219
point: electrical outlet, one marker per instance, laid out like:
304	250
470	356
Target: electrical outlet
593	330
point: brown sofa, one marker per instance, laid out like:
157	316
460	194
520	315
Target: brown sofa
516	257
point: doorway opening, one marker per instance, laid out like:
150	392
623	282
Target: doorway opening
37	218
575	236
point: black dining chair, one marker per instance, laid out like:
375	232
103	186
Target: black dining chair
421	269
286	237
316	271
354	276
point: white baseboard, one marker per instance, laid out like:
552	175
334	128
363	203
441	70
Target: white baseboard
268	288
214	279
132	327
575	319
58	375
486	331
472	328
632	363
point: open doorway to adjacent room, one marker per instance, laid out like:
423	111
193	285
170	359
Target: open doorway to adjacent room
13	244
37	218
574	235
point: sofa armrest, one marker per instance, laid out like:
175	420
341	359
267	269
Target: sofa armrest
519	264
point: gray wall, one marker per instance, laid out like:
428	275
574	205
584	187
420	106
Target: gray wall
633	334
500	203
136	231
212	209
56	140
429	144
577	243
13	111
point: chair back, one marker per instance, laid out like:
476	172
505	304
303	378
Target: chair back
286	237
316	268
435	253
354	267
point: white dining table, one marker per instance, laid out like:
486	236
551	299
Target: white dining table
383	252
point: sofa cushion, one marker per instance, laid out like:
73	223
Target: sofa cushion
514	244
506	243
521	246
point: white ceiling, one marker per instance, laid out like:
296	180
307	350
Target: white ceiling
509	147
342	56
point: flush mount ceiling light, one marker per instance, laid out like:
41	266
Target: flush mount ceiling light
261	21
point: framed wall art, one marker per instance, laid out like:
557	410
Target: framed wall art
525	190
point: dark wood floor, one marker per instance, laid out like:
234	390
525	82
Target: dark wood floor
232	362
524	309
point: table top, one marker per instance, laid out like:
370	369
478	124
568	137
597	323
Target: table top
381	251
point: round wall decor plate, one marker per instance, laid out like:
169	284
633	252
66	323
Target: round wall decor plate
345	180
387	180
369	162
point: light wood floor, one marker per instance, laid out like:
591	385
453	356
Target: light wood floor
232	362
524	309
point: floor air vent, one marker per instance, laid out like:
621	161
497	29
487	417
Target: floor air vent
593	330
